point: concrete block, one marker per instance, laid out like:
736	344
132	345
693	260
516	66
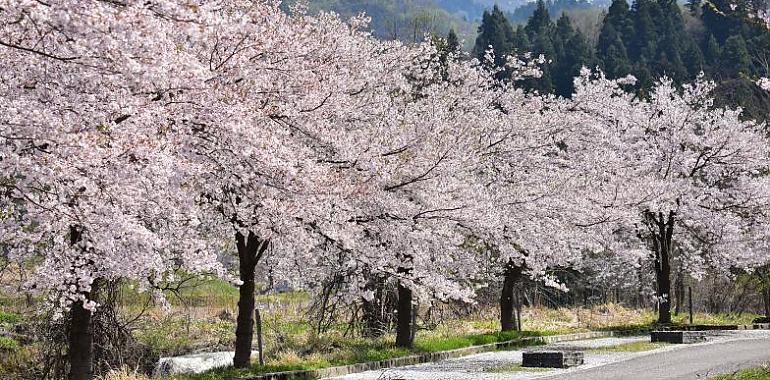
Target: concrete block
552	359
679	337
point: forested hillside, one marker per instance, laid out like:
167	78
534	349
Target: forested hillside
648	39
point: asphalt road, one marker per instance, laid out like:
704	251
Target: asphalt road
692	362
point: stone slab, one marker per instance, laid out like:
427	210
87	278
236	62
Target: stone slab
552	359
678	337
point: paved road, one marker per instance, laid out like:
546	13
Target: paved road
725	352
691	362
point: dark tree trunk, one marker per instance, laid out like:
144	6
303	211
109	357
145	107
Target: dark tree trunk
662	228
508	309
404	320
81	343
80	337
250	250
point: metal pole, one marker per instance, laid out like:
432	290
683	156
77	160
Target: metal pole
689	300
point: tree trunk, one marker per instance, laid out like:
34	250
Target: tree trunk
81	343
766	301
404	337
662	229
508	317
250	250
80	337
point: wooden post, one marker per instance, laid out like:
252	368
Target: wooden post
689	301
259	337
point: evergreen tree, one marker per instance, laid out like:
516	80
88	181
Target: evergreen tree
644	41
611	52
712	54
452	42
540	21
735	57
521	41
611	49
494	31
692	57
574	53
540	32
619	18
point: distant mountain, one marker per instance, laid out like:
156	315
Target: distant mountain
406	20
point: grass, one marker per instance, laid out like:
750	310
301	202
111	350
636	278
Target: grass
759	373
514	368
15	361
177	336
630	347
9	318
8	344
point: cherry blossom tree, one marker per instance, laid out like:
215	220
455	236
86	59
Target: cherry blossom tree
675	173
91	177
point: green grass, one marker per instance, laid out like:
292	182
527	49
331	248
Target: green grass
514	368
8	344
714	319
10	318
630	347
759	373
441	343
